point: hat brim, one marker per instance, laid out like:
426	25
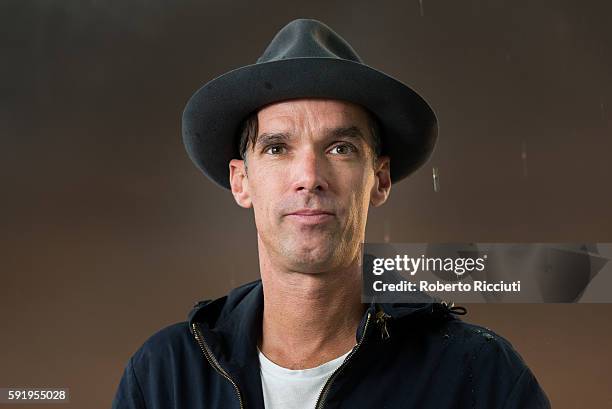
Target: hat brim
214	114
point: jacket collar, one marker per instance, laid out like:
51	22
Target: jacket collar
232	323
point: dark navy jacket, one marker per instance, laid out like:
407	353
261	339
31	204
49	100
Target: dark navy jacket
407	356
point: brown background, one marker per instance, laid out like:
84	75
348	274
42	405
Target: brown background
109	233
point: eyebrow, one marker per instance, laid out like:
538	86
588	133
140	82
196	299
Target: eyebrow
267	138
346	131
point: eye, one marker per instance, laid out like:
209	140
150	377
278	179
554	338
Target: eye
274	149
343	149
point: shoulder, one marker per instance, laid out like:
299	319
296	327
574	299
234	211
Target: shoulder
467	350
494	368
484	346
163	345
164	356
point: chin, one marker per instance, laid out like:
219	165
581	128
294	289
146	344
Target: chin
317	260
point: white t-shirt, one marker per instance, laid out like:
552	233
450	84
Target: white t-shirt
294	388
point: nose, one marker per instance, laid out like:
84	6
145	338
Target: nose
308	172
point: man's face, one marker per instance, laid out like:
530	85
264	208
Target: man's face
311	177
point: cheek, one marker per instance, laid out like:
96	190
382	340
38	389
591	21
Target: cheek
266	194
359	197
359	183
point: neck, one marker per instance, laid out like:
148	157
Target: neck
309	318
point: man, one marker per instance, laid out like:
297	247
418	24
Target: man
310	137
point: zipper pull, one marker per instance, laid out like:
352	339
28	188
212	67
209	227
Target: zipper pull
451	308
381	321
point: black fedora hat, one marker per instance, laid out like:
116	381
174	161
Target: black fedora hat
306	59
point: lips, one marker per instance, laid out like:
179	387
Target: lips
310	212
311	216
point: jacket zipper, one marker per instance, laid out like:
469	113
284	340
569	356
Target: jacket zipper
330	380
381	320
213	361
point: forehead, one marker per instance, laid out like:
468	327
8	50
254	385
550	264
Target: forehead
312	113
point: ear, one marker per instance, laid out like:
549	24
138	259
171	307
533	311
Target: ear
239	182
382	181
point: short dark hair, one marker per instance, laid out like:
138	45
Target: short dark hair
250	126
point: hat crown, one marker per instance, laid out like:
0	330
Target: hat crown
307	38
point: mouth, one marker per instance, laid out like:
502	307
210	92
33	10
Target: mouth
311	216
